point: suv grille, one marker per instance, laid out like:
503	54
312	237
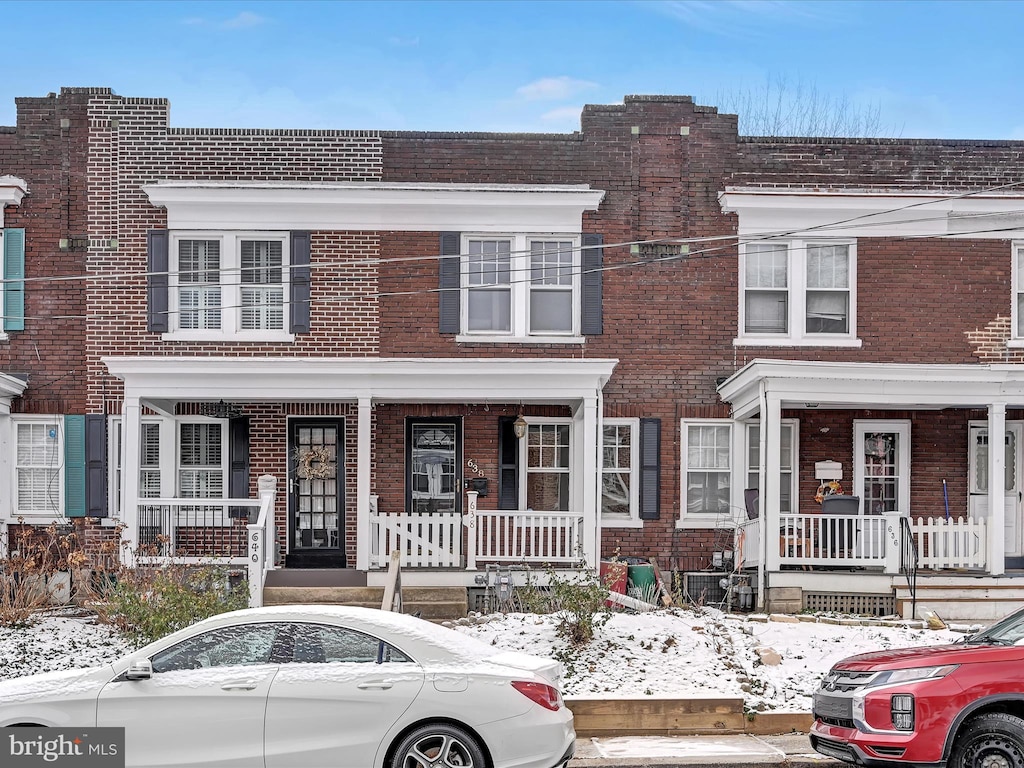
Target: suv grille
843	681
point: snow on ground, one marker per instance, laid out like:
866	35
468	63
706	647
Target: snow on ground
673	653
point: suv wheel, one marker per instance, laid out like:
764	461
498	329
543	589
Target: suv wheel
993	740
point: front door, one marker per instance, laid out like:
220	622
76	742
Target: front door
316	486
433	461
978	501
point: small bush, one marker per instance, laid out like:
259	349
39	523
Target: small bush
28	575
577	601
148	603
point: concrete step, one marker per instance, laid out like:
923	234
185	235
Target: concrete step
965	599
431	603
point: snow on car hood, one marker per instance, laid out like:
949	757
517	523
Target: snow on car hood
54	685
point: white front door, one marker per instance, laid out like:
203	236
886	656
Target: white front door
978	485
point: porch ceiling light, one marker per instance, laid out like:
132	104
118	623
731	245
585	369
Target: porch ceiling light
519	427
220	410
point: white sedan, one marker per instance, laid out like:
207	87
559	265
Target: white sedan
306	686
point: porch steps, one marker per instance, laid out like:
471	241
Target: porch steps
963	598
431	603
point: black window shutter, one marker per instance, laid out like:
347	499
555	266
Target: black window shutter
508	464
449	281
591	265
96	465
158	265
238	464
650	468
299	286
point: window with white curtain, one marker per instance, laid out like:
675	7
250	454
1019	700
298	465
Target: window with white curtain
229	285
797	291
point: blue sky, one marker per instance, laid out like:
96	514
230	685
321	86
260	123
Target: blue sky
930	69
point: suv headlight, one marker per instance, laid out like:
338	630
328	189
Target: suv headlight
913	674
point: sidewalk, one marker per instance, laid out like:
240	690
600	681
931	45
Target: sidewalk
737	751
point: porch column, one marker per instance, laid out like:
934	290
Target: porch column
363	466
588	472
996	492
131	434
771	460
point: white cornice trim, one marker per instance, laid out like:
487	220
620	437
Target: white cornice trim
10	388
375	206
473	380
873	213
903	386
12	191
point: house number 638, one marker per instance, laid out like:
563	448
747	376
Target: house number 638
474	468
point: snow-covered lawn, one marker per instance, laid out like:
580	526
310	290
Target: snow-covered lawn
674	653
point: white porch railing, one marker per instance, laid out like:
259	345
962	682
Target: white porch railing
192	530
262	550
529	537
424	540
955	543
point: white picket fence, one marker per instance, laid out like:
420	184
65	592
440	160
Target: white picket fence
424	540
531	537
958	542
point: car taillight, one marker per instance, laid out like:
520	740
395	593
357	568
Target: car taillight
542	694
901	708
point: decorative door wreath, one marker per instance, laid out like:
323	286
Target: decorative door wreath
828	488
314	463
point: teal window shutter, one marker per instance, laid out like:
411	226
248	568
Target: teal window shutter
14	279
74	466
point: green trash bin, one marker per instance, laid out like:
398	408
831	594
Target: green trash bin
641	579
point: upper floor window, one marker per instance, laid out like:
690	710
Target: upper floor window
520	285
229	285
798	292
1018	291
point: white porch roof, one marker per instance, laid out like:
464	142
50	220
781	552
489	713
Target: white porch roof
161	381
10	388
904	386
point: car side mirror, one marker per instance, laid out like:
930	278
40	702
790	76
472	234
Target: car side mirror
139	670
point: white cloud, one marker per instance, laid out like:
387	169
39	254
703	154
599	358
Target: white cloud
244	19
554	88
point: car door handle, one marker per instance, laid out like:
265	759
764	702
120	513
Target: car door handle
240	685
381	684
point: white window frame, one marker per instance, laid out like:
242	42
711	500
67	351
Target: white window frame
3	333
633	470
56	481
796	289
231	288
520	287
1016	317
900	427
705	519
752	434
524	462
170	464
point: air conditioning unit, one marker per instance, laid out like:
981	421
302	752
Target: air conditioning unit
705	587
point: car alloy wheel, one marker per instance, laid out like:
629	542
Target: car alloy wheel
439	746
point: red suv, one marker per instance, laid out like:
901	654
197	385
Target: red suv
959	705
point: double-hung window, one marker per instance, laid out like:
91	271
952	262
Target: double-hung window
798	292
707	473
548	464
520	285
229	285
1018	294
620	489
38	467
787	462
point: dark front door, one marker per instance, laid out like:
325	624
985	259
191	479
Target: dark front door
316	487
433	459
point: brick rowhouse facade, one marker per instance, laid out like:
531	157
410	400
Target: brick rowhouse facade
670	321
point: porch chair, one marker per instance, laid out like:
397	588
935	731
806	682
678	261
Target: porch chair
840	504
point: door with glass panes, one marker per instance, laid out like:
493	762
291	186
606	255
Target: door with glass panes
316	509
978	505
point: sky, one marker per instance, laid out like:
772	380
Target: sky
924	69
